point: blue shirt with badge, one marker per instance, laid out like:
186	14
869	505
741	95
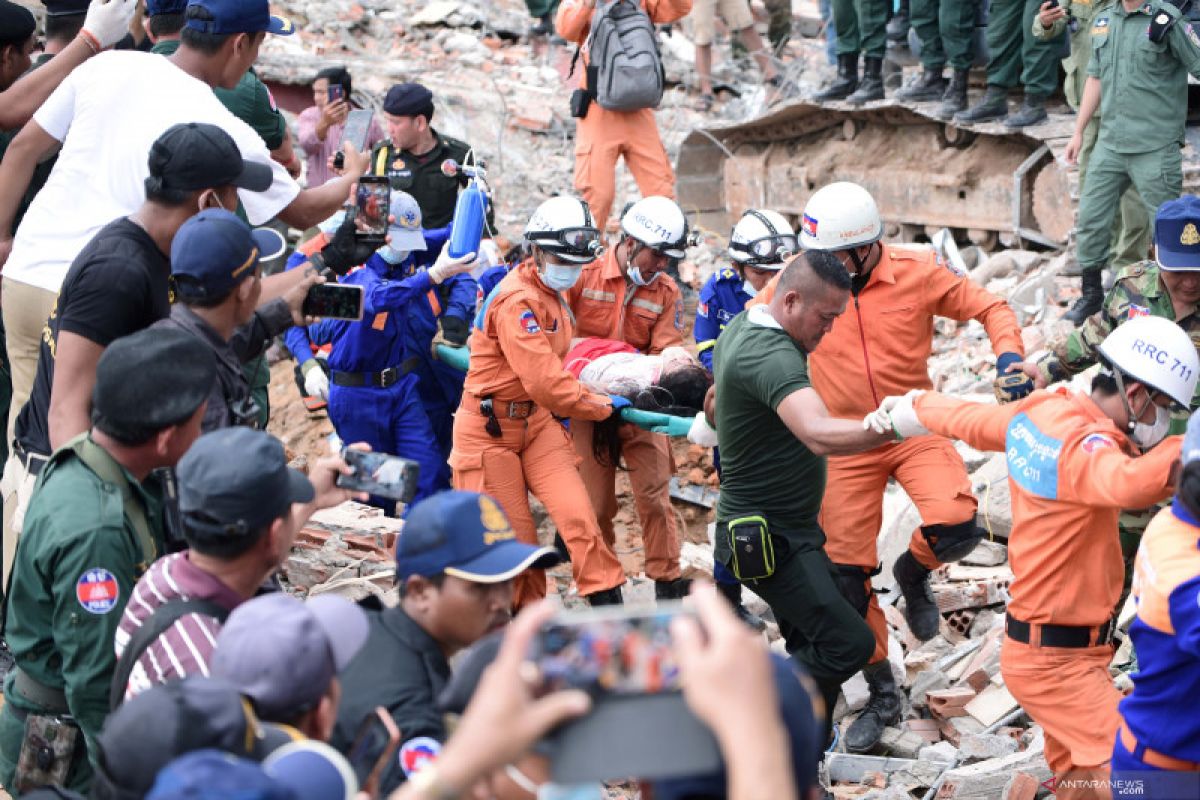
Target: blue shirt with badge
722	298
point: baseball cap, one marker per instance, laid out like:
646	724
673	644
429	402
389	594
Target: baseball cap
282	653
150	730
234	481
196	155
238	16
407	100
214	251
405	232
157	7
213	775
313	771
1177	234
467	535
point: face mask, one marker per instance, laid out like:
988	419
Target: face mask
561	277
635	275
749	289
1145	435
582	791
391	255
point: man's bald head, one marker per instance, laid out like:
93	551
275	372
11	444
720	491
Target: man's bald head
813	291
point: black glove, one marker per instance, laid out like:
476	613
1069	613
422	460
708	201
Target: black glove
455	330
346	251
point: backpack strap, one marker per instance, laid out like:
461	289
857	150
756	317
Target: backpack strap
151	628
101	463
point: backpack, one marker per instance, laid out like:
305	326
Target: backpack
626	71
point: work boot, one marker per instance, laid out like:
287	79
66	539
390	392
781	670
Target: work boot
920	609
994	105
897	26
954	99
930	86
882	709
1090	301
606	597
1032	111
672	590
733	593
871	86
846	81
544	27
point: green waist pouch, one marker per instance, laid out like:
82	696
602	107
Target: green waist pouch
753	553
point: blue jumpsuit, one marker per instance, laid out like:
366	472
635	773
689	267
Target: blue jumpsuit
721	299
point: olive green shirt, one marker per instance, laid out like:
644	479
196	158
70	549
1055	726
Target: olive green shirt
1078	20
77	561
1143	84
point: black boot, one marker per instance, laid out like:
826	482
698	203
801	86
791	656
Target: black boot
672	590
920	609
733	593
545	26
1033	111
1090	301
871	86
882	709
954	99
560	547
606	597
846	82
930	86
994	105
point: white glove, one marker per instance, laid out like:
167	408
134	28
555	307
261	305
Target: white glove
702	433
316	382
446	267
108	20
896	415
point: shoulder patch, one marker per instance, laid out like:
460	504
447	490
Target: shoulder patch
1096	441
529	322
418	753
1137	311
702	309
97	591
728	274
1191	34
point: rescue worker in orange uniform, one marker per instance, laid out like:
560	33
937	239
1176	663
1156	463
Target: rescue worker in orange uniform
603	136
1073	465
628	296
508	440
881	347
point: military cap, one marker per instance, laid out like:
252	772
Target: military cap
63	8
150	380
1177	234
16	23
408	100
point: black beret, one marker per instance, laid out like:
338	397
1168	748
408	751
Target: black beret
55	8
408	100
16	23
149	381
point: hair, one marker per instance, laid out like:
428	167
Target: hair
167	24
436	580
64	27
338	75
156	192
821	264
426	112
207	43
1188	492
679	393
225	547
1105	383
183	283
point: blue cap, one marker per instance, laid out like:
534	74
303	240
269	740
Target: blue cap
238	16
313	771
406	232
466	535
1177	234
408	100
156	7
214	251
215	775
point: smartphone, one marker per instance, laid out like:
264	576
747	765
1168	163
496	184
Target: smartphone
1053	4
355	131
380	474
336	93
373	202
374	745
334	301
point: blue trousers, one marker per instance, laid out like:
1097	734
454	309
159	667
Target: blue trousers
1133	778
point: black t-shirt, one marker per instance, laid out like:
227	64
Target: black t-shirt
116	286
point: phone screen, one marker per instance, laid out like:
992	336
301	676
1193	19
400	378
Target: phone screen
380	474
334	301
358	126
373	746
373	201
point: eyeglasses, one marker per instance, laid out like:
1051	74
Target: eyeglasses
769	248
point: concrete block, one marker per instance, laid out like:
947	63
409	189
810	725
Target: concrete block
986	780
987	554
986	745
924	683
903	743
942	751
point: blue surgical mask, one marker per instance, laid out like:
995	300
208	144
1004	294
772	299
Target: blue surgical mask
635	275
749	289
581	791
391	255
561	277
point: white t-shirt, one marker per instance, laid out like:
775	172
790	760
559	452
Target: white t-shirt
108	113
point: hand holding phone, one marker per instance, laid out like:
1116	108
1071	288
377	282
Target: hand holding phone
375	743
373	202
333	301
380	474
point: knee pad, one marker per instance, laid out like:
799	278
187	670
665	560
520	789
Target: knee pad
952	542
852	583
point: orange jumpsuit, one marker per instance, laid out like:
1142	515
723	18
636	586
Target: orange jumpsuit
1070	474
603	136
649	318
517	358
881	347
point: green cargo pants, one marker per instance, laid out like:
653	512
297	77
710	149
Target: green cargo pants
1157	176
946	29
1132	228
861	26
1014	56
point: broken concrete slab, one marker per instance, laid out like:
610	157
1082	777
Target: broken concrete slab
903	743
979	746
986	780
986	554
941	751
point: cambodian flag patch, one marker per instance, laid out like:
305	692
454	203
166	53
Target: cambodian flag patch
418	753
1096	441
1138	311
529	322
97	591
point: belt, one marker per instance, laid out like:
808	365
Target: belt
53	701
33	462
514	409
1153	758
380	380
1059	635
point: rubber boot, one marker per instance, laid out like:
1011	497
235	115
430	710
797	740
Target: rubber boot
1090	301
672	590
1032	111
733	593
930	86
882	709
920	609
606	597
846	82
871	86
897	26
954	99
994	105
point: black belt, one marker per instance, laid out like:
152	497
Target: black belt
33	462
1060	635
380	380
52	701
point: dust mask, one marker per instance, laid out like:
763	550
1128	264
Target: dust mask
561	277
391	255
1146	435
635	275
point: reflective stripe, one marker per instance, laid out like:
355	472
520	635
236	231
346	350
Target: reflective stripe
596	294
702	346
646	304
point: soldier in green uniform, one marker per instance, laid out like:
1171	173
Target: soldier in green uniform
861	27
1015	56
1141	56
946	29
413	154
1167	287
1133	222
94	525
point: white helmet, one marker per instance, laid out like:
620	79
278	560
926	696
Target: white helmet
563	226
1156	352
840	216
658	223
762	239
